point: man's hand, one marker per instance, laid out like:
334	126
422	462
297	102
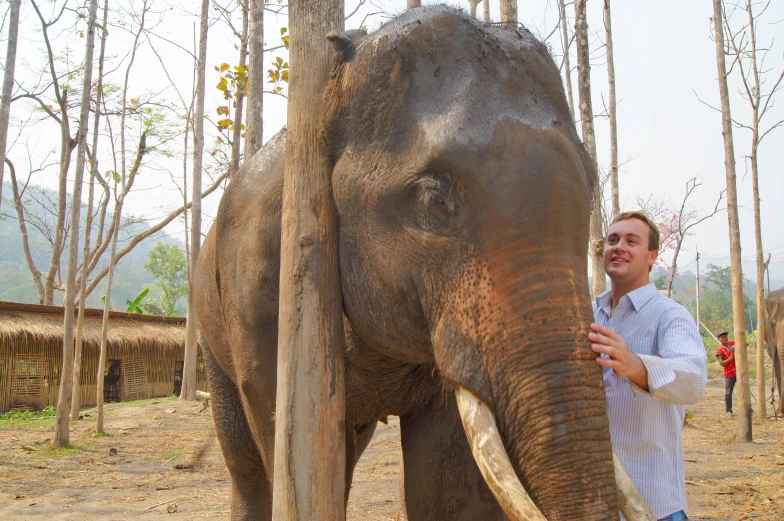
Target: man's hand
622	360
727	361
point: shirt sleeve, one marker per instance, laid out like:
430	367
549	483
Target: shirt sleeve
679	373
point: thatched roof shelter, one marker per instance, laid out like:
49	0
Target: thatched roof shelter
146	351
127	331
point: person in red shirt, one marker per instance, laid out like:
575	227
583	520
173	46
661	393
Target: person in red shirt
725	354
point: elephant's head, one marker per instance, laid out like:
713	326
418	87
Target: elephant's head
463	194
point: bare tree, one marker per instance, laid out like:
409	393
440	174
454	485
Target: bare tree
684	219
255	111
20	213
188	391
616	201
61	433
309	431
236	79
123	181
589	140
77	366
67	144
746	51
239	94
565	43
8	82
744	433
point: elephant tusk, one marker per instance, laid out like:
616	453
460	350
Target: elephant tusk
630	503
490	455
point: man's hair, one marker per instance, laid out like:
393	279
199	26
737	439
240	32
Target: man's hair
653	236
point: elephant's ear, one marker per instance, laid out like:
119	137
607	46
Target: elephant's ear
345	50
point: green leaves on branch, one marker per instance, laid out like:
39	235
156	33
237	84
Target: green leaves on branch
278	74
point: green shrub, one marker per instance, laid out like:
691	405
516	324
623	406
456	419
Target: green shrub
48	412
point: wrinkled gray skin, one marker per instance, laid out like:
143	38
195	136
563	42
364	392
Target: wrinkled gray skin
463	195
775	307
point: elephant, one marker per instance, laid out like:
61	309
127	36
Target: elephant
774	305
462	194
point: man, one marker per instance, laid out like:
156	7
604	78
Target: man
654	363
725	354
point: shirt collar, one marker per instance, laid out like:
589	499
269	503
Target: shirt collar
639	297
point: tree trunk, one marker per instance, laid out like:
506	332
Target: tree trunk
188	391
309	473
239	94
62	435
616	199
744	433
410	4
8	83
566	47
509	12
77	370
105	327
474	3
486	9
254	128
674	268
589	140
755	98
66	147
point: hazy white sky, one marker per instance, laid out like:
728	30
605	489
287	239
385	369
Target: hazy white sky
664	59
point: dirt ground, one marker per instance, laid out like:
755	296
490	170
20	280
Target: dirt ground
725	480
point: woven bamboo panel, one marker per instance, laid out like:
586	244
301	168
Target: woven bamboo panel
134	378
29	374
5	384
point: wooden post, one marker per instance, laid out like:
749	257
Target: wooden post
310	448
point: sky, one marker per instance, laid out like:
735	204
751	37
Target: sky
665	64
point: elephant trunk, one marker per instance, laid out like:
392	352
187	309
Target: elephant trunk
551	411
531	363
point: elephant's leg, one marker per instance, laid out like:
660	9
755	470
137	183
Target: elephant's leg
251	493
442	480
356	442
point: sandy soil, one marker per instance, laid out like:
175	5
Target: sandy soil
725	480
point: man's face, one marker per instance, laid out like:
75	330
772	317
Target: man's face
627	259
724	339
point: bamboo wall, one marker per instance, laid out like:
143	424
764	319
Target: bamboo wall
147	372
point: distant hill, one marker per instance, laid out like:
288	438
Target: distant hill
16	282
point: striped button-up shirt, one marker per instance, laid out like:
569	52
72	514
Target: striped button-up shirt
646	425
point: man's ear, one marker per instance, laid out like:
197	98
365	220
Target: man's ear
653	257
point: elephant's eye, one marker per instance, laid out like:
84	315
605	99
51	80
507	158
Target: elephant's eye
438	204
